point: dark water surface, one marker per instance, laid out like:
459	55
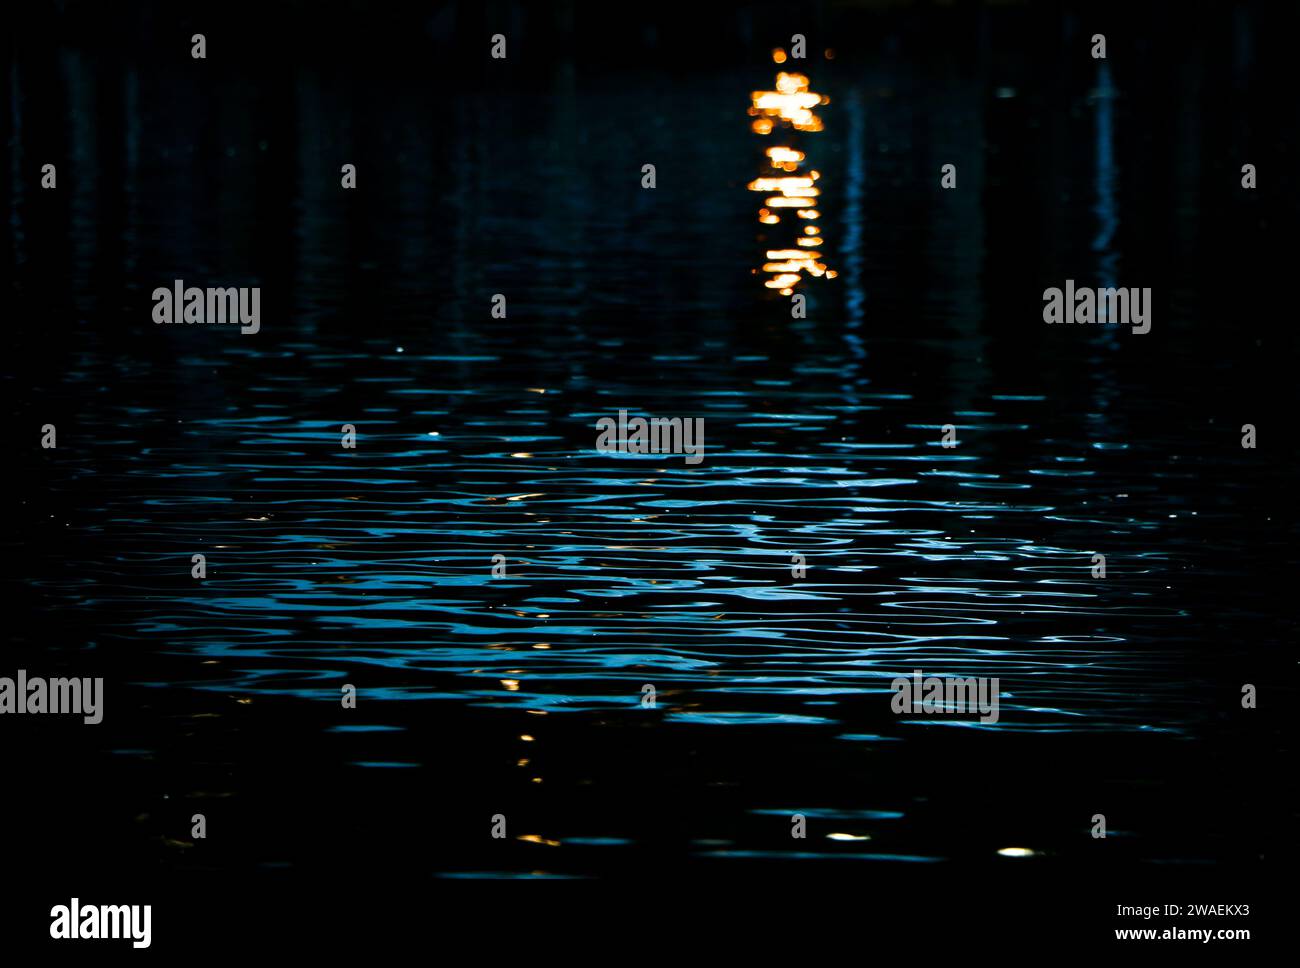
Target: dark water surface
475	437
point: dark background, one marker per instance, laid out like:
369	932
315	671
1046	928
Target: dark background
523	177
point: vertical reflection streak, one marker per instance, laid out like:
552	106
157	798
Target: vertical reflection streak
791	197
84	151
1101	367
16	166
1105	207
131	233
854	194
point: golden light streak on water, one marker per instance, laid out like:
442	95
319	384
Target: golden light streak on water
789	108
538	838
